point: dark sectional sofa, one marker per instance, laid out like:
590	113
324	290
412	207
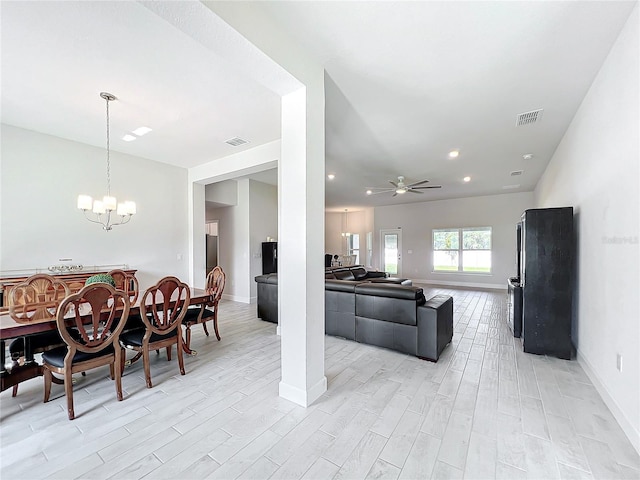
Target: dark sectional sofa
375	310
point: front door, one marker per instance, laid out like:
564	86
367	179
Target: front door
391	242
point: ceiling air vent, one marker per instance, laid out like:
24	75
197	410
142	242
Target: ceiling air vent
236	141
510	187
527	118
515	173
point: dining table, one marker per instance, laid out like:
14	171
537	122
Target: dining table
10	328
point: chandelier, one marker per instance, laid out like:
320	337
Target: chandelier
103	210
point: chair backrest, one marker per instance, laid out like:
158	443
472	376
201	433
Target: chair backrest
216	280
164	305
98	312
37	298
127	282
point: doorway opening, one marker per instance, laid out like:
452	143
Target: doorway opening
391	242
212	245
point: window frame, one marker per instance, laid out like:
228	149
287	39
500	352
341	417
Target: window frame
461	250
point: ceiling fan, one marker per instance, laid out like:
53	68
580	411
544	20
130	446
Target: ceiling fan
401	188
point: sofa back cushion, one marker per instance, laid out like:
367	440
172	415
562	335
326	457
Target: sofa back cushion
359	273
390	303
344	274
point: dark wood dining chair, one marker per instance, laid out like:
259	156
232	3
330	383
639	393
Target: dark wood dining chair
162	309
127	282
98	312
207	311
35	300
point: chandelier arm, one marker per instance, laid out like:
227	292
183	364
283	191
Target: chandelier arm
94	221
124	219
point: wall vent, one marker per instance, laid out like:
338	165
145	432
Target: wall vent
236	141
527	118
510	187
515	173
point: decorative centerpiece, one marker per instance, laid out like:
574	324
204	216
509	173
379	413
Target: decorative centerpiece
101	278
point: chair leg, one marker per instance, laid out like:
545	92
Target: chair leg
204	326
14	392
68	391
215	324
147	369
188	337
111	371
118	371
168	353
180	357
46	373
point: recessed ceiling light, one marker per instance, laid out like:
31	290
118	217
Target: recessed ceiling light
369	192
467	179
454	154
331	176
527	156
140	131
129	138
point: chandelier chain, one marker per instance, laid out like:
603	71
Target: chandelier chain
108	153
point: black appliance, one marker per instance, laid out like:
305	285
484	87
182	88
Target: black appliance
514	306
269	257
514	300
546	264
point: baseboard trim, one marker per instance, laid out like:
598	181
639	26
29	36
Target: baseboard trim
236	298
446	283
632	434
303	397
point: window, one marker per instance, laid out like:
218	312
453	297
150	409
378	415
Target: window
465	250
353	246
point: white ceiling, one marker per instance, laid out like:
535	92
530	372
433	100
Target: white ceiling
405	83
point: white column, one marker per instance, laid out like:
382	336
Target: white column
196	217
301	246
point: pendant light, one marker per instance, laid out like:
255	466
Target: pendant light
102	210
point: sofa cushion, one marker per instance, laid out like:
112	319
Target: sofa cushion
392	280
339	286
359	273
391	290
344	274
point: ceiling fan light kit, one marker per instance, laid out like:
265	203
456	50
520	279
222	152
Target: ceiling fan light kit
400	188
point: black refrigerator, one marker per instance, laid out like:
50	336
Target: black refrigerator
546	278
269	257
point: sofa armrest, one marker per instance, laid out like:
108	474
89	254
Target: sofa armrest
435	326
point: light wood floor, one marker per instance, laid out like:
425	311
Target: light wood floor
485	410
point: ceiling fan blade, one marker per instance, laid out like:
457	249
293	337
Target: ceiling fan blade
418	183
381	191
430	186
393	183
414	191
394	195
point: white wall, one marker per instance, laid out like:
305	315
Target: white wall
263	223
225	192
417	220
333	242
359	221
233	244
241	230
41	179
595	170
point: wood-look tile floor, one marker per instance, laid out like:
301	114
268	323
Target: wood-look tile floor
485	410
